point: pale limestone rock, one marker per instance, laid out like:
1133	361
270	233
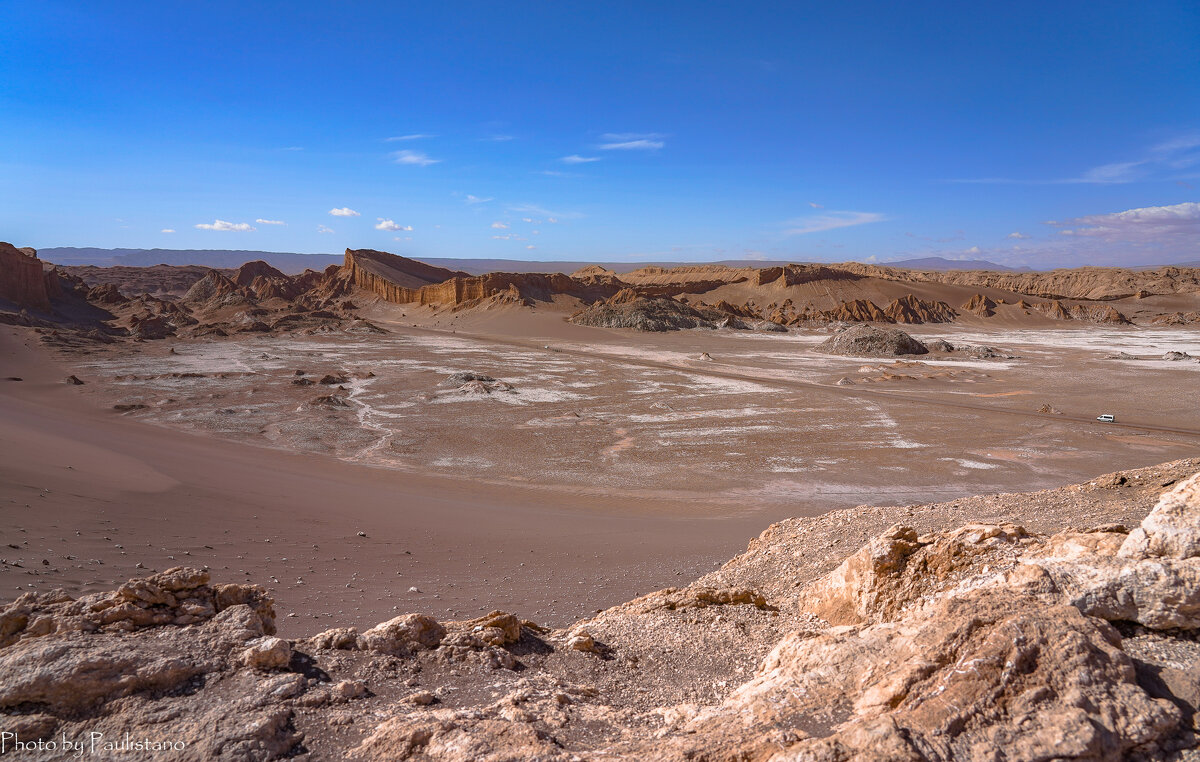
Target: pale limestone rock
404	635
267	653
1172	530
977	672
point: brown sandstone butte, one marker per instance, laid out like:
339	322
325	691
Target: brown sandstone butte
22	281
403	281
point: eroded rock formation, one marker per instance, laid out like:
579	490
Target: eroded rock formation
984	642
22	281
871	341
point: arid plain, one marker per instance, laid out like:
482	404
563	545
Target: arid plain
594	465
393	511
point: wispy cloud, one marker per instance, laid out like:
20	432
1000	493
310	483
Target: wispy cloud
1158	162
167	230
261	221
551	216
225	226
832	220
500	225
1147	224
390	225
631	141
345	211
1017	235
815	205
413	158
414	136
323	229
498	138
477	200
577	159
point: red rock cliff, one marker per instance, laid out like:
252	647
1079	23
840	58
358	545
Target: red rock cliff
21	279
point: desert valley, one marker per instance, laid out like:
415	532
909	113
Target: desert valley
389	510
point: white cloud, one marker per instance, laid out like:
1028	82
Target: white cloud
323	229
167	230
413	158
477	200
227	226
500	225
640	144
1107	174
815	205
973	250
415	136
551	220
345	211
1151	223
1158	162
1017	235
270	222
527	219
498	138
819	223
632	136
531	246
535	210
391	225
577	159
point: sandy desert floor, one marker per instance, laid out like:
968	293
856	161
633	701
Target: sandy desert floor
616	464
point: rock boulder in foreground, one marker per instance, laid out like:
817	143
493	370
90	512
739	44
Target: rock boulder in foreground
982	642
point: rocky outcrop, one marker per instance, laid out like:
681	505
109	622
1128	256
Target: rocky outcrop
871	341
909	309
1104	314
247	273
1177	318
856	311
982	642
627	310
1087	283
22	281
214	290
386	275
980	305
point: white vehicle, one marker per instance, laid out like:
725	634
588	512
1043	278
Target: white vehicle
1106	418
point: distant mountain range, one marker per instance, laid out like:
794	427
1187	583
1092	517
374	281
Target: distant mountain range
219	258
293	263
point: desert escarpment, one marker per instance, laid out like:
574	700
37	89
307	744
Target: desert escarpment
22	281
405	281
802	295
1090	283
933	640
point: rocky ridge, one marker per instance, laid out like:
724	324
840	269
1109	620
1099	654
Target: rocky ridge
1063	637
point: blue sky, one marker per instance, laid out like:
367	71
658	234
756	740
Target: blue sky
1026	133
